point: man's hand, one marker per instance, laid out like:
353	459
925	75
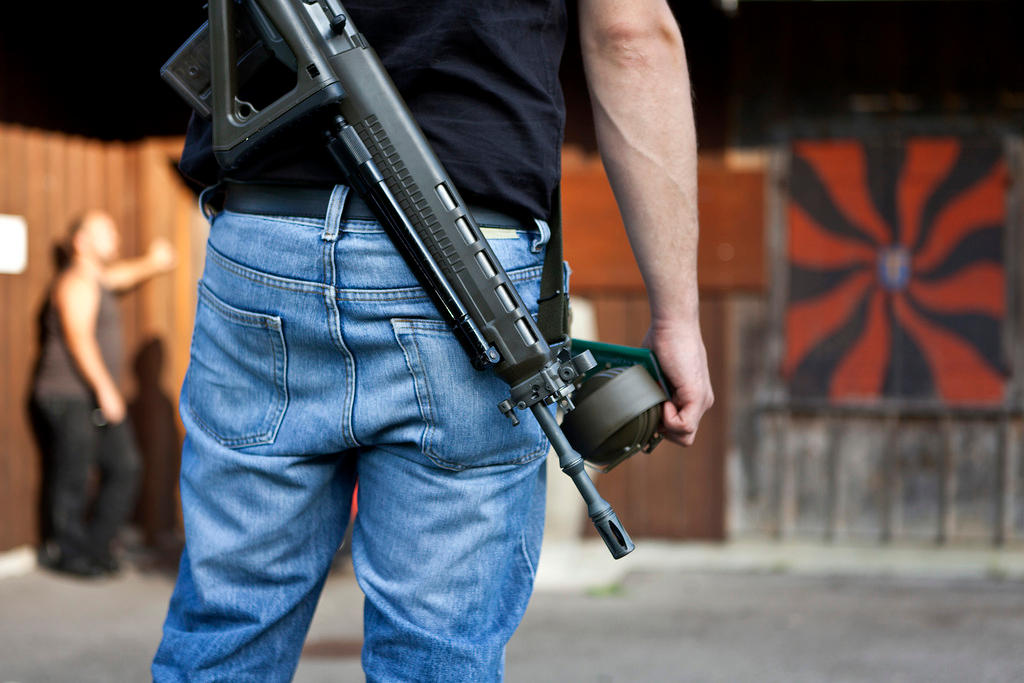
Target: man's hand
684	362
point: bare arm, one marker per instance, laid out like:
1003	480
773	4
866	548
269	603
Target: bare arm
640	89
127	273
77	298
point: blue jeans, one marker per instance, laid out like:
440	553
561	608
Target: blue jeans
317	360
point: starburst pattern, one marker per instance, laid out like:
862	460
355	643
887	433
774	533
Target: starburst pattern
896	276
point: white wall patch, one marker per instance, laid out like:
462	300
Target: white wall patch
13	244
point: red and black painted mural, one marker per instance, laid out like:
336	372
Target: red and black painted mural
896	271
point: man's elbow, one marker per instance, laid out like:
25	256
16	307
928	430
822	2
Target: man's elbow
635	42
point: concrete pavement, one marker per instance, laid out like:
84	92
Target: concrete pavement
677	613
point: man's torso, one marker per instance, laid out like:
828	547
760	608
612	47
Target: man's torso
481	80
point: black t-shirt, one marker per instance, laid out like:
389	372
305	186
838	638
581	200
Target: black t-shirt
481	78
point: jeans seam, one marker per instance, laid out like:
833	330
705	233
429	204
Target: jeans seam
338	338
423	402
417	293
334	320
247	318
364	223
526	555
315	222
426	443
329	237
458	466
279	218
275	281
392	294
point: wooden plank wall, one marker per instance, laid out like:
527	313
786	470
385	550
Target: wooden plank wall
49	178
730	254
167	209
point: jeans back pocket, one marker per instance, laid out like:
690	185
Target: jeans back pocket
459	405
237	375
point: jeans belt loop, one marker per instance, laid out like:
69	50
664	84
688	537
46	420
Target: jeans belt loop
335	209
542	238
205	206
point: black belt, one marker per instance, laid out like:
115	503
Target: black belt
312	202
